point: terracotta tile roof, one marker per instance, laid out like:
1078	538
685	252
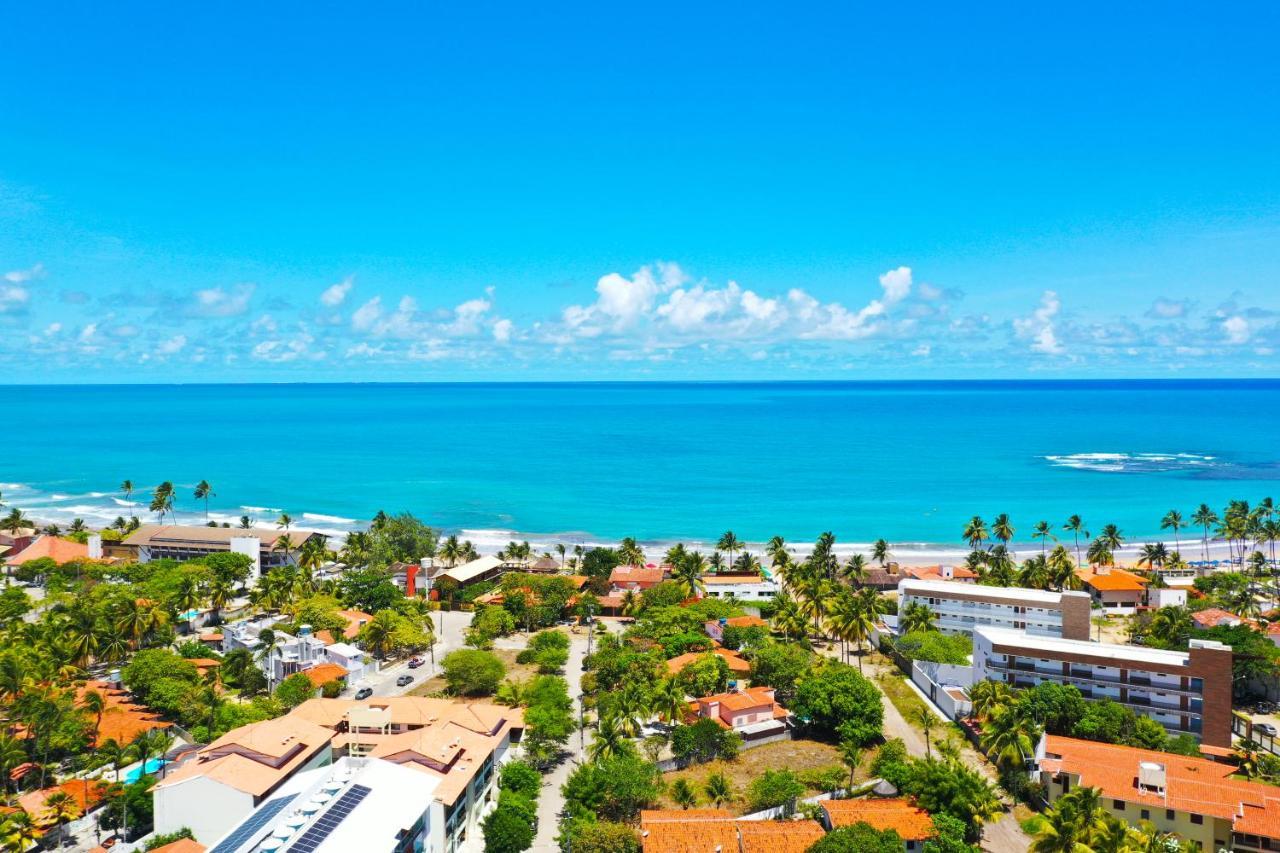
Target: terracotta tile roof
934	573
87	793
123	720
778	836
323	673
60	550
211	637
257	757
1193	785
1273	629
746	622
182	845
712	580
355	620
735	661
635	574
1112	580
1212	617
903	817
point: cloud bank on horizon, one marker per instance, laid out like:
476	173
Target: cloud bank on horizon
657	321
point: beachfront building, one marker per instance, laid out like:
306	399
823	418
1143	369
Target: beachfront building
290	654
453	751
1115	590
1199	799
636	578
13	541
489	567
188	542
715	628
751	587
355	804
752	712
961	607
940	573
913	824
49	547
711	830
237	773
1186	692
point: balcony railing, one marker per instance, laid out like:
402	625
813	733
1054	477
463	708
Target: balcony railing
1089	678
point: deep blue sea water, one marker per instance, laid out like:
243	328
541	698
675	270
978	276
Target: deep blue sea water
909	461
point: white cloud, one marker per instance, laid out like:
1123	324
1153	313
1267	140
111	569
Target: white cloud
502	331
172	346
222	302
88	333
367	314
335	294
1039	327
1168	309
922	351
1237	329
23	276
896	284
52	329
621	302
14	299
689	309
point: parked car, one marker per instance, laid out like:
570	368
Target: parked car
414	663
364	692
1267	729
404	679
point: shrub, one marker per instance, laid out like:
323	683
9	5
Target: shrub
509	828
614	788
471	672
837	701
774	788
859	838
586	836
705	740
520	778
935	646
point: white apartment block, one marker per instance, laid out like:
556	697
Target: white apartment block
962	607
741	587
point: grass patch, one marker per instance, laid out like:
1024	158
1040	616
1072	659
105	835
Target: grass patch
800	756
1033	825
906	700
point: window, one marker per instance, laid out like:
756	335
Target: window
1197	819
1168	814
1146	815
1118	805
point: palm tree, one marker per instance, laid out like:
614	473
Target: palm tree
77	526
975	532
61	808
284	544
924	718
1112	537
683	794
788	618
95	705
1099	554
917	616
450	552
1002	529
189	598
268	644
776	549
718	789
730	544
15	521
1062	571
668	701
850	757
127	488
19	831
1009	736
987	696
561	549
12	753
284	522
1044	533
202	493
379	632
162	500
1205	518
1170	626
246	523
609	739
1153	555
855	569
688	574
1070	824
880	552
869	606
314	553
1173	521
1075	524
629	552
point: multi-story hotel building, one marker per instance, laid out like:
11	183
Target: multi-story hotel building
1186	692
962	607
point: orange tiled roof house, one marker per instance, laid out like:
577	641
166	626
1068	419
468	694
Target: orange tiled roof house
752	712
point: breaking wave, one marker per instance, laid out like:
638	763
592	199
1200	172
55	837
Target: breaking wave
1135	463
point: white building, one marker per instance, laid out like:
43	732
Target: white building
741	587
962	607
356	804
348	657
291	655
1186	692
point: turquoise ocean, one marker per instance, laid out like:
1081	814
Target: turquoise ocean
589	462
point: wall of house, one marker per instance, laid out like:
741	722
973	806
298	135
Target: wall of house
1212	834
208	808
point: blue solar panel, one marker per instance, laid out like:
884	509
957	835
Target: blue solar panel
329	821
252	824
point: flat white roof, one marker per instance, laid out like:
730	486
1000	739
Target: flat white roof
345	649
955	589
1030	644
475	568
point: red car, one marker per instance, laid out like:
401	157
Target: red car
414	663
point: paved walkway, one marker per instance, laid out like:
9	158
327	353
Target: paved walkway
551	801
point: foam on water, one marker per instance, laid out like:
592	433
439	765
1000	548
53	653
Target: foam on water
1133	463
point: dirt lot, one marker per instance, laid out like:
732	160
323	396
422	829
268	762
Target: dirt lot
797	756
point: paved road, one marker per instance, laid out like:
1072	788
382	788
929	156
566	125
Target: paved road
450	629
551	802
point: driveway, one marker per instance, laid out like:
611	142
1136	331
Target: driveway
551	801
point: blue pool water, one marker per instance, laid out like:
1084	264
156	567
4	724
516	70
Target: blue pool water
910	461
153	766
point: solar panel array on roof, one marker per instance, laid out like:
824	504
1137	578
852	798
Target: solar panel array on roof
328	822
252	824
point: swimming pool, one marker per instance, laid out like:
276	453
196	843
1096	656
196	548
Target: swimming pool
188	616
153	766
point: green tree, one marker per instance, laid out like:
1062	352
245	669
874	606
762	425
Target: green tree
471	672
614	788
837	701
202	493
717	789
683	793
773	788
509	828
295	690
859	838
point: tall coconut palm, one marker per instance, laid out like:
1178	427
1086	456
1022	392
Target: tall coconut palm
1099	554
450	552
629	552
162	500
975	532
1071	824
1002	529
917	616
561	550
1153	555
12	753
19	831
61	808
269	643
1044	533
925	719
788	617
1062	570
1205	518
609	739
378	633
284	522
987	696
1112	537
688	574
730	544
127	488
203	492
869	607
189	597
880	552
1173	521
851	757
1009	736
668	701
1075	524
776	549
855	569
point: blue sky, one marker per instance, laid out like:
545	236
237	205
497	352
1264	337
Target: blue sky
324	192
